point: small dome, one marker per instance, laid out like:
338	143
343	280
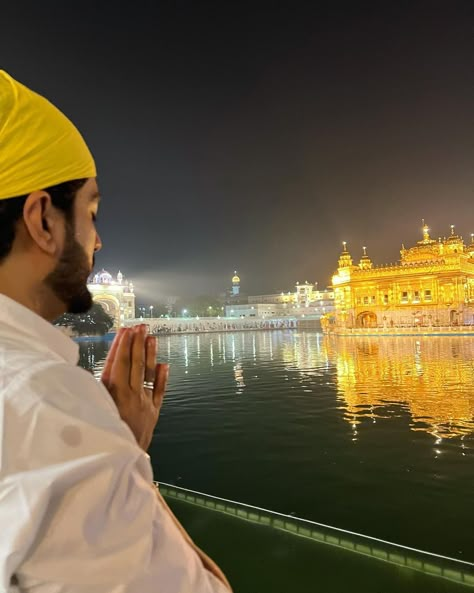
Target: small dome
104	277
235	279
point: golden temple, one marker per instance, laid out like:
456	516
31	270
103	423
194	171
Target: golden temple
432	286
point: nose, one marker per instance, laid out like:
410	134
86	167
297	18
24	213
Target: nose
98	243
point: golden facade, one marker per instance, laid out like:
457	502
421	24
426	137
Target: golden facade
431	286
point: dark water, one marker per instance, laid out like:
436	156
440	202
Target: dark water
373	435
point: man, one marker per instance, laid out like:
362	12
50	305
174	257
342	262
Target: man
78	509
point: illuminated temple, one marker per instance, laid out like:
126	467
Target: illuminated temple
115	295
431	286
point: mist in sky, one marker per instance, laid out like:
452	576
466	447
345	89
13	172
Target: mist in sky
257	138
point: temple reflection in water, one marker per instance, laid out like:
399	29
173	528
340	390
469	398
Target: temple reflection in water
431	378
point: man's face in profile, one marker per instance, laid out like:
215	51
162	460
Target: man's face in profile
68	280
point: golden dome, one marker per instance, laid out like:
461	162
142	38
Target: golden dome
235	279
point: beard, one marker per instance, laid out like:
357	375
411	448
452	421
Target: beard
68	280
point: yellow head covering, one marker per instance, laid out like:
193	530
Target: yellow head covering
39	146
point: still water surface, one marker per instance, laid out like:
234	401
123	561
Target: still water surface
374	435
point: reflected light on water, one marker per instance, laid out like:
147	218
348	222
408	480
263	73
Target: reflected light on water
432	379
239	378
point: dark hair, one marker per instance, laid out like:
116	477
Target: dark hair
11	210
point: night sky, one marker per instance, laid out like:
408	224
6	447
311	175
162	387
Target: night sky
259	136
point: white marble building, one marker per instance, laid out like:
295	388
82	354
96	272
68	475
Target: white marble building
116	296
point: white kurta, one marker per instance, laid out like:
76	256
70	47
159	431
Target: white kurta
78	512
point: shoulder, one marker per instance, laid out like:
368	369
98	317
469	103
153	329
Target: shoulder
56	404
60	385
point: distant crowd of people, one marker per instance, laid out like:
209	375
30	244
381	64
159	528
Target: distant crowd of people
202	325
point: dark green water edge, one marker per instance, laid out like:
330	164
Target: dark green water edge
261	551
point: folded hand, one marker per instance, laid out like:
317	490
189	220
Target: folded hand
135	381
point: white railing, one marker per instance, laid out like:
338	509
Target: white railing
436	565
187	325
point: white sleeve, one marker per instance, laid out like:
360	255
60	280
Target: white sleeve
77	506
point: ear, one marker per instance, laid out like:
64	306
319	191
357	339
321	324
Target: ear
44	223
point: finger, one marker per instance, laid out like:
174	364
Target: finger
137	369
120	374
161	379
111	356
150	358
